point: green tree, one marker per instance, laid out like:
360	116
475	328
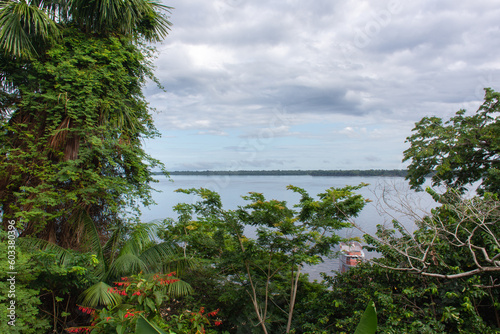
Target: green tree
72	114
455	251
405	304
460	151
70	141
28	27
48	281
267	268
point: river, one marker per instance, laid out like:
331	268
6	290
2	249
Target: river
403	201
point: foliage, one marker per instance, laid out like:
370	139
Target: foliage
28	318
143	326
460	151
73	114
368	322
193	322
70	144
60	284
23	26
267	268
141	294
28	26
442	277
54	279
454	250
131	250
405	304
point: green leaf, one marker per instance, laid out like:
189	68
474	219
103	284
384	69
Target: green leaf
368	322
100	294
150	304
143	326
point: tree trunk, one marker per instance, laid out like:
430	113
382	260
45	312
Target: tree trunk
293	294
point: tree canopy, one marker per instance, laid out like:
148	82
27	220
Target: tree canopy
460	151
27	28
73	114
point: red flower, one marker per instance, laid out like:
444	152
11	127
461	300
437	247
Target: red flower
78	330
214	313
218	323
114	290
129	314
87	310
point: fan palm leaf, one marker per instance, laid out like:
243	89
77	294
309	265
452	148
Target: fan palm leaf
93	241
100	294
155	26
139	238
63	255
179	288
27	25
155	256
123	16
178	263
22	26
124	265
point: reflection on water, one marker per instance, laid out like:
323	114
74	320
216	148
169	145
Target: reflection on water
391	199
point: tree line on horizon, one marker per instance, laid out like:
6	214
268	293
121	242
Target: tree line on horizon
352	172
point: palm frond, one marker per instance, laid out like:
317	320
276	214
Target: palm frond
110	248
93	241
158	254
155	23
99	294
145	17
179	288
23	24
139	238
124	265
178	264
63	255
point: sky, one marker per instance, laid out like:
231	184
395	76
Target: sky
319	84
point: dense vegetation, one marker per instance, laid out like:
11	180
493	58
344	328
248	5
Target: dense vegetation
74	260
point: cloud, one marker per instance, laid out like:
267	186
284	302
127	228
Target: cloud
367	70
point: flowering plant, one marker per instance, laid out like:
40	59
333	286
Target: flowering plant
145	292
141	294
194	322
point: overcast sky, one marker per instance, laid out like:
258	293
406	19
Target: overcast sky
319	84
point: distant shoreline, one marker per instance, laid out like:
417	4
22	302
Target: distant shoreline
369	172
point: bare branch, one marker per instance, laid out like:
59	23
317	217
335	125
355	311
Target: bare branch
465	226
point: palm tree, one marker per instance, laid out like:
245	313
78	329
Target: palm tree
26	26
128	251
23	27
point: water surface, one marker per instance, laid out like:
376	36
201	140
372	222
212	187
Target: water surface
231	188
